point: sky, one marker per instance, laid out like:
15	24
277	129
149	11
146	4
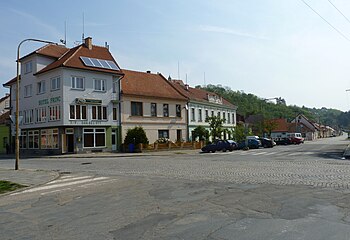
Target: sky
270	48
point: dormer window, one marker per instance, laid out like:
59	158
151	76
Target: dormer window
28	67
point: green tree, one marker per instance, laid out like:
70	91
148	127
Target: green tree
201	133
215	124
269	126
241	132
136	135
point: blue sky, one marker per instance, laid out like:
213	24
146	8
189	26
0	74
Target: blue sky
271	48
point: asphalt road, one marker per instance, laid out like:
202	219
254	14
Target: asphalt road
287	192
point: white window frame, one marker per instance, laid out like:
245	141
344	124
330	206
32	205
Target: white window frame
28	67
99	110
94	132
41	88
51	138
100	85
55	83
81	107
54	113
74	82
28	90
41	115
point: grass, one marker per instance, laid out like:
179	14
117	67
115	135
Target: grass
6	186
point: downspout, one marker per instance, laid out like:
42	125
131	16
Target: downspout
120	113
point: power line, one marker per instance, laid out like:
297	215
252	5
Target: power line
326	21
339	11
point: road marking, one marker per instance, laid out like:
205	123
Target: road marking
271	153
48	187
69	179
259	153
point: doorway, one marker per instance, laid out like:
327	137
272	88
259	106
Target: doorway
70	143
114	139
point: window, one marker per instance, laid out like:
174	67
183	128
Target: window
41	114
28	90
77	112
55	83
228	118
28	67
136	109
28	116
94	137
224	117
154	109
206	115
178	110
219	115
100	85
114	87
199	115
23	140
165	110
163	133
49	138
41	87
33	139
99	113
78	83
233	118
212	113
193	115
115	114
55	112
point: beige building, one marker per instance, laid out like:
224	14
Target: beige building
150	101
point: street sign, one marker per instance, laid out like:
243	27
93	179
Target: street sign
13	132
13	119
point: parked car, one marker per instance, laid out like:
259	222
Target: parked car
267	142
282	141
252	143
220	145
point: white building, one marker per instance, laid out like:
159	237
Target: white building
203	104
69	99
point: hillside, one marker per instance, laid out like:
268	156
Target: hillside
249	104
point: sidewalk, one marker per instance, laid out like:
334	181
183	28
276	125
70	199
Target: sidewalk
28	177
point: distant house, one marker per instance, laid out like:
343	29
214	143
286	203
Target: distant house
281	130
150	101
203	104
308	129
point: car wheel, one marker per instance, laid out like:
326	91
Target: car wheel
213	151
224	149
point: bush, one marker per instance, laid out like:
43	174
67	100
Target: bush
136	135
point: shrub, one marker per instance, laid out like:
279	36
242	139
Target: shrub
136	135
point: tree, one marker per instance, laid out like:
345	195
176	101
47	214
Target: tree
215	124
241	132
201	133
136	135
269	126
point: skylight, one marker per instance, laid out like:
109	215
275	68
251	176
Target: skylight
100	63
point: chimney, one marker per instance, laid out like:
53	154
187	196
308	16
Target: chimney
106	45
88	42
186	86
148	71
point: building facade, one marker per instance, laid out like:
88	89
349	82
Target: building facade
150	101
203	104
69	100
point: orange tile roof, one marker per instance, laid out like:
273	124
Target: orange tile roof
281	125
49	50
196	94
72	59
149	85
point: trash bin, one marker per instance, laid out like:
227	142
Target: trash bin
131	147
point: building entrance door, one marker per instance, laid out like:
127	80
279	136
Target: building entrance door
114	139
70	143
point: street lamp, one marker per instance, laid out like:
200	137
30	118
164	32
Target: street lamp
17	94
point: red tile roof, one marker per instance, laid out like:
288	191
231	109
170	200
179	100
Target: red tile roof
148	85
49	50
197	94
281	125
72	59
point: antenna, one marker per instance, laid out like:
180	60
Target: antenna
83	37
64	41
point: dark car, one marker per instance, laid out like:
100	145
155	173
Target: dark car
220	145
282	141
252	143
267	142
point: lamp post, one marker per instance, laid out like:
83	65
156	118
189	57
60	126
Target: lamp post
17	95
